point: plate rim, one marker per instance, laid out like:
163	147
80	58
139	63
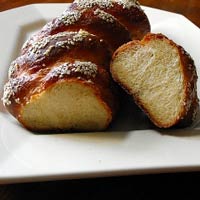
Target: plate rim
89	174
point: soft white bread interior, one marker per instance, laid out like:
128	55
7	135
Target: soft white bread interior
160	76
68	105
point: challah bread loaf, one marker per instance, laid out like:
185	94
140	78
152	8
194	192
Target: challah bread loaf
61	80
116	22
161	77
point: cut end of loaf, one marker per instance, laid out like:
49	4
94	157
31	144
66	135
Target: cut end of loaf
151	71
66	105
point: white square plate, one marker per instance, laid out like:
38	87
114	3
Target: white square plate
133	146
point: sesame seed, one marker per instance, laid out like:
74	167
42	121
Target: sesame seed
90	81
126	4
48	51
67	39
8	92
37	46
70	17
13	67
12	87
91	3
104	15
85	68
17	100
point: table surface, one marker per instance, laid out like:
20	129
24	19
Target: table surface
181	185
189	8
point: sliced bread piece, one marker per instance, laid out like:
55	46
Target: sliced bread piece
161	77
71	95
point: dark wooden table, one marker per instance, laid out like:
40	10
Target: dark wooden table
157	186
189	8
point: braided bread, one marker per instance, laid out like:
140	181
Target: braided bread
61	79
161	77
115	21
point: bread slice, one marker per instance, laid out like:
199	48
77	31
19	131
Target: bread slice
71	95
161	77
66	105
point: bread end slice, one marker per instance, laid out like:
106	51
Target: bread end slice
68	105
161	77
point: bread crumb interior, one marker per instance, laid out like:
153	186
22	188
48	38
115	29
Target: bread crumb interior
153	74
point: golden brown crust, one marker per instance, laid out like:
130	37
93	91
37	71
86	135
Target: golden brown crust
191	102
128	14
190	80
62	46
114	22
93	20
